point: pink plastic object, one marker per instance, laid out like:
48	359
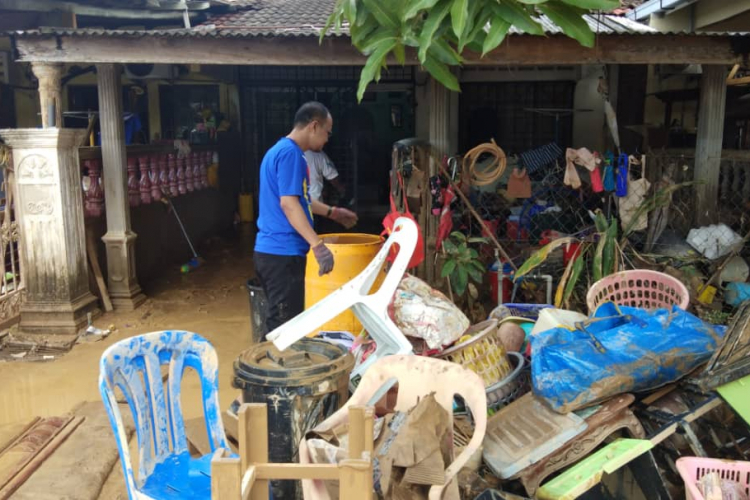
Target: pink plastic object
417	377
639	288
693	468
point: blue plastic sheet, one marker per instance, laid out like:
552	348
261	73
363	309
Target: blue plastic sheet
619	349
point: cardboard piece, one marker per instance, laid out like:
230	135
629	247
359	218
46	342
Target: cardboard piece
414	451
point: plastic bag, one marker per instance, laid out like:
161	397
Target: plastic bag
425	313
620	349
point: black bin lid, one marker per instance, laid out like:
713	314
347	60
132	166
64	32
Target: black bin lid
302	363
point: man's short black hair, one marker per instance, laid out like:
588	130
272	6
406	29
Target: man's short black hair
310	111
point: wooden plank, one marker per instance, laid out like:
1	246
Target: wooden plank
197	435
11	434
325	472
517	50
356	479
39	458
97	270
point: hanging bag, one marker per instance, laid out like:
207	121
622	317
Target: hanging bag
390	220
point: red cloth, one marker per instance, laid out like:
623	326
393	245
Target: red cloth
390	220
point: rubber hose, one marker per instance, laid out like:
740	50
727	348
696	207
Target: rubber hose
490	174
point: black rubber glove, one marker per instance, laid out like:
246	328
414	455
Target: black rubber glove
324	257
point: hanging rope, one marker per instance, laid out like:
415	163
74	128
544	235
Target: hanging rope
492	172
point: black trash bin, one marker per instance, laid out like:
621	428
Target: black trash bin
302	386
257	310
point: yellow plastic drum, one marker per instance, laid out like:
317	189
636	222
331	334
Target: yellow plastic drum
351	254
246	208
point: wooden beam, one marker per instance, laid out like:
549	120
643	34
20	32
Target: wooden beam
517	50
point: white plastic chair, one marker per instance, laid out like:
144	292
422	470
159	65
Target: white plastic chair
133	365
371	310
417	376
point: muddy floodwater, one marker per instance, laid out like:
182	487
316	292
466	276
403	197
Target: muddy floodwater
211	301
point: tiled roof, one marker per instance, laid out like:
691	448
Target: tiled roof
308	17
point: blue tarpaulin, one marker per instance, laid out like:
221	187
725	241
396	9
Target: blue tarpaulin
619	349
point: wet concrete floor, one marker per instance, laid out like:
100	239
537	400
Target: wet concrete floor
211	301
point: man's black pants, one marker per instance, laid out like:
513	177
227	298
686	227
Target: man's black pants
283	280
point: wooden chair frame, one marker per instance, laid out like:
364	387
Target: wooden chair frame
246	477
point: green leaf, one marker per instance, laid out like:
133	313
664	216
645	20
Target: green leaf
479	266
474	274
590	4
517	16
532	2
477	239
444	53
459	16
609	250
385	16
596	266
400	53
441	73
371	44
448	268
600	221
474	254
570	20
359	34
458	235
462	279
430	27
416	6
372	68
569	279
449	246
538	257
496	35
475	23
349	8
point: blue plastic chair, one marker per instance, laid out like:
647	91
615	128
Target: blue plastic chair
165	468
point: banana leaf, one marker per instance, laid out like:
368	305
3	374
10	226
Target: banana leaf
538	257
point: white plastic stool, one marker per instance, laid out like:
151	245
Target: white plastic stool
371	310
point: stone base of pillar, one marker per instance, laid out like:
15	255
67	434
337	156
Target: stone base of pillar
54	318
124	290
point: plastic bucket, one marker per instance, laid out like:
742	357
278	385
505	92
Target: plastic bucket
351	255
302	386
257	310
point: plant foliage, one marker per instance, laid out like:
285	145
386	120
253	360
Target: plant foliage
462	262
440	30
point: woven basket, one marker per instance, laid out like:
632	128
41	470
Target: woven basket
483	353
639	288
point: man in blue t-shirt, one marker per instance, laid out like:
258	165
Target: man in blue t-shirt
285	219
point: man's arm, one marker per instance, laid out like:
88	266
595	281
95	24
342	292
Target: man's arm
345	217
295	214
338	185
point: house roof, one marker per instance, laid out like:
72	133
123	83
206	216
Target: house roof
301	18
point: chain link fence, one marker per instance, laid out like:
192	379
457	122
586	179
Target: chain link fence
655	204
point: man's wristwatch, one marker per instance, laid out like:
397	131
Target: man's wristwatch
331	208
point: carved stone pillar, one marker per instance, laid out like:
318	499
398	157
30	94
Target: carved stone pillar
120	240
53	244
50	91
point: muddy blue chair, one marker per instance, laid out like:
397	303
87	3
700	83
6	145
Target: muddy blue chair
134	365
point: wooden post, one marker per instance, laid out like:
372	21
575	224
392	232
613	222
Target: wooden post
226	477
356	431
355	480
708	146
50	93
120	240
253	443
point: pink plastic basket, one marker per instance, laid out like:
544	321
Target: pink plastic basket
693	468
639	288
